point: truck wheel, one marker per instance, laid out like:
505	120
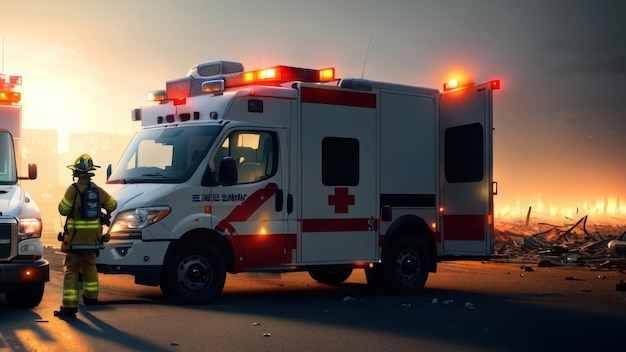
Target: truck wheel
406	265
375	278
29	296
331	277
195	275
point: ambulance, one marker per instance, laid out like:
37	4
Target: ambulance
23	271
289	169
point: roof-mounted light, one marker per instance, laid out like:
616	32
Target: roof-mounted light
224	74
495	84
9	97
156	95
454	84
213	86
283	74
15	80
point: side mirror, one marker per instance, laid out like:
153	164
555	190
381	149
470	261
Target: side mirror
228	171
32	171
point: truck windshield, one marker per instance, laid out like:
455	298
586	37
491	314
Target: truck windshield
8	172
164	155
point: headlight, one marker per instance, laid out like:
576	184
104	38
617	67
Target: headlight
136	219
29	228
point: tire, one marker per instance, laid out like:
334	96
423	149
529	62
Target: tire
331	277
406	265
27	297
375	278
195	274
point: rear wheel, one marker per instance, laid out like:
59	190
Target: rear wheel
331	277
195	275
28	296
406	265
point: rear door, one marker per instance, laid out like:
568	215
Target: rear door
466	177
338	163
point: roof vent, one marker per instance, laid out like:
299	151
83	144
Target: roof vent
214	68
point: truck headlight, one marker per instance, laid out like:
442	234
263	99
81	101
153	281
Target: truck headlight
29	228
136	219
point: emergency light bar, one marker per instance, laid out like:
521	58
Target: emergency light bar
7	95
10	97
214	77
454	84
283	74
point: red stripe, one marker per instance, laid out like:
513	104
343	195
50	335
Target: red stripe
243	211
338	225
464	227
338	97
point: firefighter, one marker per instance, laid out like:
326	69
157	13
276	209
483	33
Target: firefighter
82	237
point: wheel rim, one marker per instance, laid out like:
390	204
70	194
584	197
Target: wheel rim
408	266
194	273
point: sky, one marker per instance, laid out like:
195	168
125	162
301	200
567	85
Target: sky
559	119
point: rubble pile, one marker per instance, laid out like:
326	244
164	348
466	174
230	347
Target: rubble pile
579	243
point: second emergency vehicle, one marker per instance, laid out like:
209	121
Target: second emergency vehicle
290	169
23	271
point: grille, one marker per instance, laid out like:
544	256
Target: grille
5	241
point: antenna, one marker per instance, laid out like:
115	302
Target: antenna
366	53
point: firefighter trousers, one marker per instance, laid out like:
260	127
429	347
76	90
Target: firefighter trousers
73	265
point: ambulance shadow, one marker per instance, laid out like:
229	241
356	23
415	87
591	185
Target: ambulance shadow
479	321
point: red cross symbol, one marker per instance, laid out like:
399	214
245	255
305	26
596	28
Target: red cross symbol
341	200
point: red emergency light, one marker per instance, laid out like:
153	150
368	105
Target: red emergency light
454	84
283	74
10	97
192	86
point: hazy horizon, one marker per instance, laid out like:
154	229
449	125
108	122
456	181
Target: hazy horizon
559	119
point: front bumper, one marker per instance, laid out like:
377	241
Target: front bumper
19	273
133	257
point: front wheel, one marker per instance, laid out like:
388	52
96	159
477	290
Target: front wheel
195	274
406	265
28	296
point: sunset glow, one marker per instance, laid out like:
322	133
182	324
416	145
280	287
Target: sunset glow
559	131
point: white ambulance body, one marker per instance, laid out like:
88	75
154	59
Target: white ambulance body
289	169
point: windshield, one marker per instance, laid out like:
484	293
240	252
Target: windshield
8	172
164	155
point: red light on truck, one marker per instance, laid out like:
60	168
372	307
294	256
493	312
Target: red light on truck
495	84
270	73
283	74
8	97
450	85
327	74
180	101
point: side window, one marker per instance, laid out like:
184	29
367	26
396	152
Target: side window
256	153
340	161
464	153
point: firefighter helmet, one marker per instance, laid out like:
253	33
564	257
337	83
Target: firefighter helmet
83	163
